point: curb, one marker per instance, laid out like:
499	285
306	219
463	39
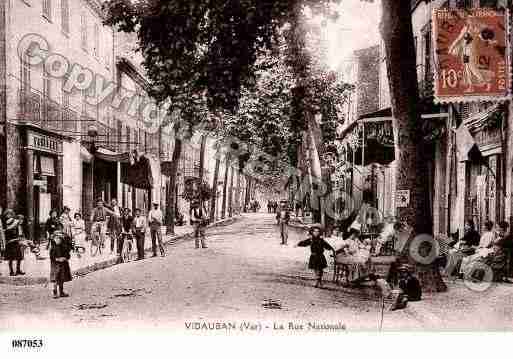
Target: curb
80	272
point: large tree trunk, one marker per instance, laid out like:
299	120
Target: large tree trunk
410	154
214	190
225	184
177	151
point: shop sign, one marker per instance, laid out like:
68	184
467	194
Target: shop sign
471	55
40	142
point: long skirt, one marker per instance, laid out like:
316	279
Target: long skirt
317	261
60	272
13	251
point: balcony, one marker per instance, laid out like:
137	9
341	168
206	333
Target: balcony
46	113
41	111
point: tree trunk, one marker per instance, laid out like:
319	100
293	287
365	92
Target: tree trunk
230	195
247	197
225	184
237	192
177	151
410	154
203	141
214	190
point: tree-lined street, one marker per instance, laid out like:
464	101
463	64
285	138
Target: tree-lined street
244	275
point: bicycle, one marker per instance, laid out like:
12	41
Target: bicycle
97	239
128	244
79	250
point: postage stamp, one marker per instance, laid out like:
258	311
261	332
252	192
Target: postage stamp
471	61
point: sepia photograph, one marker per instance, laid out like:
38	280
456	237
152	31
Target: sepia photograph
254	167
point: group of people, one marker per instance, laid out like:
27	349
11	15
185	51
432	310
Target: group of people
468	255
357	252
272	206
122	225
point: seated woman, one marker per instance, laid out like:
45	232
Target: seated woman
355	253
386	236
484	248
497	258
464	247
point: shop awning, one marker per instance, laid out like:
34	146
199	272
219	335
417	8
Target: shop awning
378	137
138	173
111	156
376	116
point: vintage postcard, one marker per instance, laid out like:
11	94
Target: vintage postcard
282	168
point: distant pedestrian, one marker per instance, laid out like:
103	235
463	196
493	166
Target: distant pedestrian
198	220
283	218
66	221
140	232
269	206
13	248
317	245
78	230
155	219
60	271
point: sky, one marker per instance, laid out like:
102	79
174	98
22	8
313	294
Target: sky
356	28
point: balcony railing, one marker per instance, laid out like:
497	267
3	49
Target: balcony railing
30	107
46	113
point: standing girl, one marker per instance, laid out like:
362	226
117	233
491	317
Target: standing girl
317	245
60	270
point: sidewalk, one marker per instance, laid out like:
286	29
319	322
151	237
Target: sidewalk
38	271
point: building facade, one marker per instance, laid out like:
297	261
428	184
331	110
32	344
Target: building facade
72	104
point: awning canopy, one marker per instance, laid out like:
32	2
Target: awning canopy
378	138
111	156
138	173
376	116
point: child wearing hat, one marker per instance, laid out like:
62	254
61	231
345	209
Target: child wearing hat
317	245
60	271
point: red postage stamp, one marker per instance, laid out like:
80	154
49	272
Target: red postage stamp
471	61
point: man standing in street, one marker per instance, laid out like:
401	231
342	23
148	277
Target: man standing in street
115	226
140	233
283	217
198	222
155	221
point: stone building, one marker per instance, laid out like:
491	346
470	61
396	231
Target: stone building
70	112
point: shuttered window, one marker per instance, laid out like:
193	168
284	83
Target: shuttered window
83	32
47	9
65	16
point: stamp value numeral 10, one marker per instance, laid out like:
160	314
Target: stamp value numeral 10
449	78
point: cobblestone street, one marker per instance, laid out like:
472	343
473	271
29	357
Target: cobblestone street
244	275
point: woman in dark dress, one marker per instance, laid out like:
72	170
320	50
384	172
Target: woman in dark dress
317	245
13	249
60	271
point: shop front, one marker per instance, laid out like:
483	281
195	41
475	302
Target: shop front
43	170
483	168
